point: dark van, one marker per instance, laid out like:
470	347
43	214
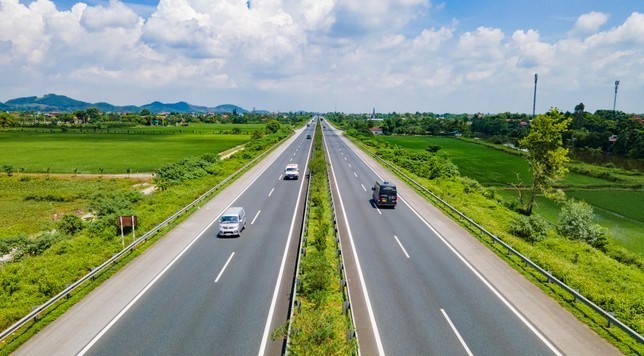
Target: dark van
384	194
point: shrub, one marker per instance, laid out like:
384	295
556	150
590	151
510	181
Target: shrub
575	222
433	148
531	228
70	224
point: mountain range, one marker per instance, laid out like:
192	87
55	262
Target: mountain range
62	103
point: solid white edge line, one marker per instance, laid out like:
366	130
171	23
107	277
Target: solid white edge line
269	194
158	276
477	274
271	311
225	265
255	218
467	349
372	317
401	246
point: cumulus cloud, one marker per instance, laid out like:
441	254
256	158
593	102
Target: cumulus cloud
590	22
300	51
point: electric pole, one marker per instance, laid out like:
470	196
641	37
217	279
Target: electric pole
615	99
534	98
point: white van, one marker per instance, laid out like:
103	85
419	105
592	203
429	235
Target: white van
291	171
232	222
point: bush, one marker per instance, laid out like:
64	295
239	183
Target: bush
531	228
575	222
70	224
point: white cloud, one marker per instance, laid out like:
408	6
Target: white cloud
590	22
304	54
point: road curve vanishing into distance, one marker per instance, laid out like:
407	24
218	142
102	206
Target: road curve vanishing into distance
193	293
421	285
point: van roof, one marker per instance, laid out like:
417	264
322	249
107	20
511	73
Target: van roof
291	165
234	210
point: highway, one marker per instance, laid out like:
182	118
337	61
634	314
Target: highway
218	295
418	286
412	292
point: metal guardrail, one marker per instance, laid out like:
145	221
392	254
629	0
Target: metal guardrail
67	291
510	250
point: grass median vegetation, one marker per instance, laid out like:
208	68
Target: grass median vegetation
319	325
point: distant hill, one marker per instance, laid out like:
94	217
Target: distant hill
61	103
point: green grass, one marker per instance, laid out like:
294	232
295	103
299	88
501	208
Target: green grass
116	152
21	216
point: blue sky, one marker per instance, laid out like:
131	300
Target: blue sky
394	55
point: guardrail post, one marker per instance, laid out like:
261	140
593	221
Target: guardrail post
548	276
343	283
346	306
351	334
609	323
574	296
303	251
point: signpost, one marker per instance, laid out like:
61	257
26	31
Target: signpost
127	221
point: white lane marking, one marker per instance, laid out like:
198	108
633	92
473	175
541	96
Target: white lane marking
350	165
271	310
355	174
269	194
280	178
372	317
223	269
293	154
401	246
290	160
158	276
345	158
476	273
365	189
255	218
467	349
378	209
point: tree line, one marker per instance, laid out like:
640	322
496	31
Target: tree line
601	132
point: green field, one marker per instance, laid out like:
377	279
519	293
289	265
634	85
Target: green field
488	166
620	211
141	149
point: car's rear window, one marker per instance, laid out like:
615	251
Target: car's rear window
388	190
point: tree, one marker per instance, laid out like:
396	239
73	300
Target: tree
272	126
6	120
546	153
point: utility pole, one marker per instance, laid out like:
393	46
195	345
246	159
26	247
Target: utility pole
615	99
534	98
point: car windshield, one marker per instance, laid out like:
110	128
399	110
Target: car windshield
291	169
228	219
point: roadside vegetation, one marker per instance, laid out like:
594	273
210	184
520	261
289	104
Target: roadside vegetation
585	258
54	230
319	325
